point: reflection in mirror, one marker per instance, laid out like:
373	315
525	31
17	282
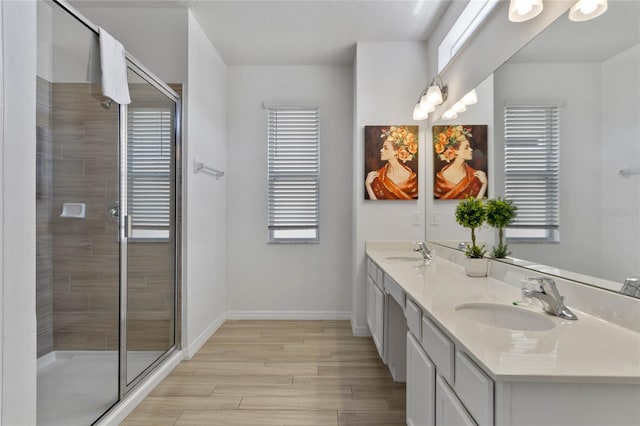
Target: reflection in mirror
591	70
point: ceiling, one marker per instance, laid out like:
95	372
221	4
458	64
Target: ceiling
300	32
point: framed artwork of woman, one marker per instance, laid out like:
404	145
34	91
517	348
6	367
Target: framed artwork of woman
460	161
391	162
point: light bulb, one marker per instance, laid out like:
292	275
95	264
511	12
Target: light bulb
458	107
584	10
425	105
470	98
449	115
523	10
434	95
419	113
588	7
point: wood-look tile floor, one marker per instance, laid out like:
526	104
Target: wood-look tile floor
277	373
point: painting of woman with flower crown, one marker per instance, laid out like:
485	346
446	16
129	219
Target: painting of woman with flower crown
460	161
391	162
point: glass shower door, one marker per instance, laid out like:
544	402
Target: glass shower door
77	254
148	186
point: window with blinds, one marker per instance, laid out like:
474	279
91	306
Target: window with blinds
294	174
532	171
149	172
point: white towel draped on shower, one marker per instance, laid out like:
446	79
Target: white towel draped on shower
114	69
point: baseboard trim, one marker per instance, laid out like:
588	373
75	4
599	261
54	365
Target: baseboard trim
194	347
118	413
288	315
360	331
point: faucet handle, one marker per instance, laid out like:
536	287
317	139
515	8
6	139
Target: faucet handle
529	284
543	284
550	287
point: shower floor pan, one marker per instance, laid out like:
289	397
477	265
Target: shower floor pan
77	387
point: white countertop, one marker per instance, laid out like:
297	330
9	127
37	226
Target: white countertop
588	350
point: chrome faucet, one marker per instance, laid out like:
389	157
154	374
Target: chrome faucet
547	293
422	249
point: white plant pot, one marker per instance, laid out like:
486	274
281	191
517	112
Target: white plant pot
476	267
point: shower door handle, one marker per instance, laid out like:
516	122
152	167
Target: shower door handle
128	220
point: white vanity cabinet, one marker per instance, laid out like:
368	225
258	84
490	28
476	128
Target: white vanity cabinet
449	409
385	318
375	306
459	372
421	381
444	386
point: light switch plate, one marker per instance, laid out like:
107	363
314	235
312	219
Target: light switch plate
416	218
434	219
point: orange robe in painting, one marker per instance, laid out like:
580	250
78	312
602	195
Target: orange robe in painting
469	185
385	189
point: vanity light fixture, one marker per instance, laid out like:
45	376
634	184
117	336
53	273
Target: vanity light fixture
419	113
470	98
523	10
449	115
458	107
428	99
423	108
424	104
584	10
436	93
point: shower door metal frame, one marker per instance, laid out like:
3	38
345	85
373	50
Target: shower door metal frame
136	66
125	225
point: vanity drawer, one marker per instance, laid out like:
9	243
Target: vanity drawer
439	348
413	313
372	269
394	290
379	276
475	389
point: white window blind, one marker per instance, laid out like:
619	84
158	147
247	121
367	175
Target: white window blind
532	170
294	174
149	171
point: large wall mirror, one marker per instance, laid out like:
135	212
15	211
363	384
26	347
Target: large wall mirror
591	71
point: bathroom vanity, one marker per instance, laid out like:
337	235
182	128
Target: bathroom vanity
471	356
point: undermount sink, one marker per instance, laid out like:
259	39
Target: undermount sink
505	316
404	258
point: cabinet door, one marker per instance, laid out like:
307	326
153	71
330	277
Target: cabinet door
449	409
378	326
475	389
371	308
421	383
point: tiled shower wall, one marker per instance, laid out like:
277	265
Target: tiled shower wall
78	259
85	251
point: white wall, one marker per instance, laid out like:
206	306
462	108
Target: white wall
157	37
577	86
288	280
205	197
18	149
620	149
389	78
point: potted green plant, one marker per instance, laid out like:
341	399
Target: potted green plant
500	214
471	213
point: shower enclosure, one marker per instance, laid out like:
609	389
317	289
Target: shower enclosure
107	200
